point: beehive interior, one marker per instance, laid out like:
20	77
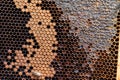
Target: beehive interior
34	38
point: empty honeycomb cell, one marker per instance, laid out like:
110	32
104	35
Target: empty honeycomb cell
29	1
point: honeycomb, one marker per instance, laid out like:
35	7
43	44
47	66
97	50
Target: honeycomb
36	44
